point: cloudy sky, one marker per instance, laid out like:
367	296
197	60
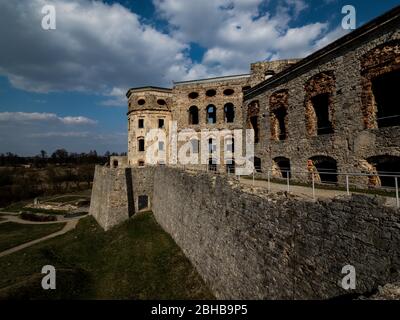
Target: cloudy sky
65	88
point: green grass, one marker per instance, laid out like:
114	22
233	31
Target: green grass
45	211
136	260
17	206
13	234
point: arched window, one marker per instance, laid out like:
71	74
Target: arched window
380	79
319	103
211	114
323	168
229	110
385	167
253	110
278	104
281	167
193	115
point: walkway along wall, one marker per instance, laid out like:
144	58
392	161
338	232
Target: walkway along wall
248	244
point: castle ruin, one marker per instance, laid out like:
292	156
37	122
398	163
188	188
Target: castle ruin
334	112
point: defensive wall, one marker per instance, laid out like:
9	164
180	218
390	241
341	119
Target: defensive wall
247	243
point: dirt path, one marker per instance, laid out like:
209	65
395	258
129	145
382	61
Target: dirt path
70	225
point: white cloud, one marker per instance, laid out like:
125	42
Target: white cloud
106	49
44	117
96	47
68	134
236	33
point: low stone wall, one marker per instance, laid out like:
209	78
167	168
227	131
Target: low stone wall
248	244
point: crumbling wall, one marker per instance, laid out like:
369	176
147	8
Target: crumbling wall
248	244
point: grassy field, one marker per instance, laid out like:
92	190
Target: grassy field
136	260
13	234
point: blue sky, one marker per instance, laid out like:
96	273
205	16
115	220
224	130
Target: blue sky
65	88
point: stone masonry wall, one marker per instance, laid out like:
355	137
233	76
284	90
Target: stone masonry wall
115	193
248	244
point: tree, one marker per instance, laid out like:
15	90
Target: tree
60	155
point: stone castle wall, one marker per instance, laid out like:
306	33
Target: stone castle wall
116	191
251	245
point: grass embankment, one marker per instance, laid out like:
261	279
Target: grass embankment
13	234
136	260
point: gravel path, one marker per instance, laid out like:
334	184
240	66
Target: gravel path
70	225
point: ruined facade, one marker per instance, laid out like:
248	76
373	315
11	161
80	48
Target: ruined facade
335	111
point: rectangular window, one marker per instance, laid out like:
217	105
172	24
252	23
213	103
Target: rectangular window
143	202
141	123
141	145
161	123
161	146
321	108
195	145
385	89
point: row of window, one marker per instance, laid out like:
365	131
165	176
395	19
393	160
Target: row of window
383	169
319	108
142	102
212	147
211	114
161	123
211	93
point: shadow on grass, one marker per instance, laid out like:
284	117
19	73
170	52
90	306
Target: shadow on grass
136	260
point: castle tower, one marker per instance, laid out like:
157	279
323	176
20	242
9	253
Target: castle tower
149	108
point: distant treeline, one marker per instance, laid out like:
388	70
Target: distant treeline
23	178
58	157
